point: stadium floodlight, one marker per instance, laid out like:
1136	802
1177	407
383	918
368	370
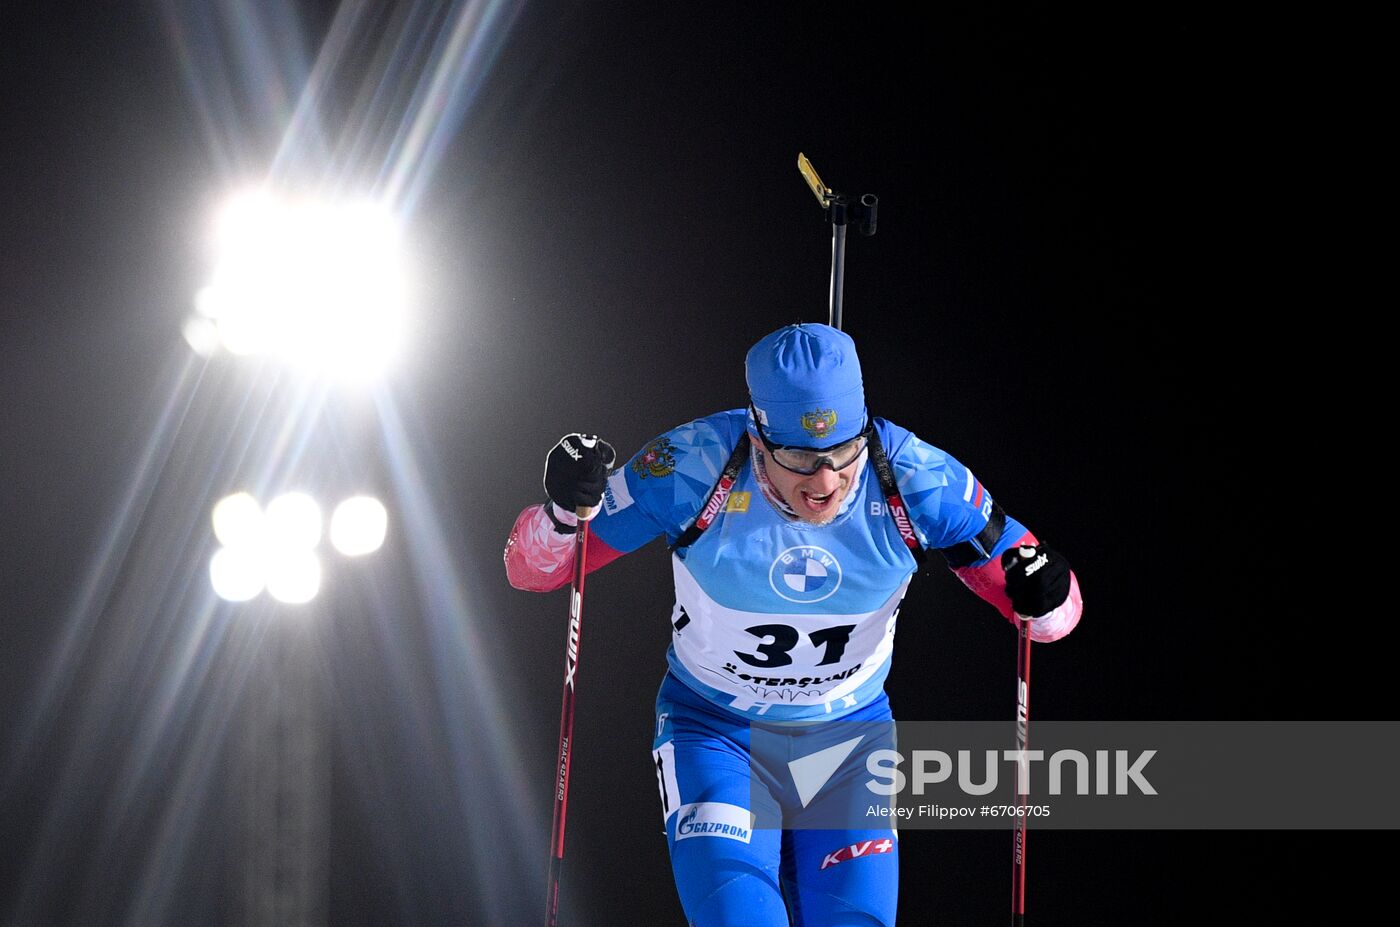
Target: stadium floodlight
202	335
237	573
293	522
275	548
238	521
294	577
358	526
320	284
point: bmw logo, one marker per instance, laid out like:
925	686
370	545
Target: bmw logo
805	574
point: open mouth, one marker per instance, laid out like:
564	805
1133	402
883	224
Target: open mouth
815	502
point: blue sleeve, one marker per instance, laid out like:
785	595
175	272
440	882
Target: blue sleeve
947	503
665	483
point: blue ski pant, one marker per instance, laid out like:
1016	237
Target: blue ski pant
729	873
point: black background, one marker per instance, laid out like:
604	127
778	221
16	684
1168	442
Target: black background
1113	274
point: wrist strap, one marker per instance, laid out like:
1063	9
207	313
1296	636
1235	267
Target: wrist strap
559	526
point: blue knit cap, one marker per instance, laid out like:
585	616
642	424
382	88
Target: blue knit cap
805	384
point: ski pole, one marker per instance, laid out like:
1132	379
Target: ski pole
566	719
1023	706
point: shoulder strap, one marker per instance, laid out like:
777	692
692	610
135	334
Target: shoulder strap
894	502
718	495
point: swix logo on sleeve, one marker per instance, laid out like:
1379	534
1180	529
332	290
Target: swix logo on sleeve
714	819
858	850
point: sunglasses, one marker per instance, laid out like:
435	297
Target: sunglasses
808	460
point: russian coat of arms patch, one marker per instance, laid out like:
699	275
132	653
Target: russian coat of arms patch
820	423
656	459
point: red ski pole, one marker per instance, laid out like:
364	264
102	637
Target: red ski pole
1023	707
566	720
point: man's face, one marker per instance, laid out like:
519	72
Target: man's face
817	498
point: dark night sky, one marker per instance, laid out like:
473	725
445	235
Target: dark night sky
1091	223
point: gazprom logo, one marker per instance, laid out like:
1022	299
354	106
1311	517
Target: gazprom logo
805	574
714	819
